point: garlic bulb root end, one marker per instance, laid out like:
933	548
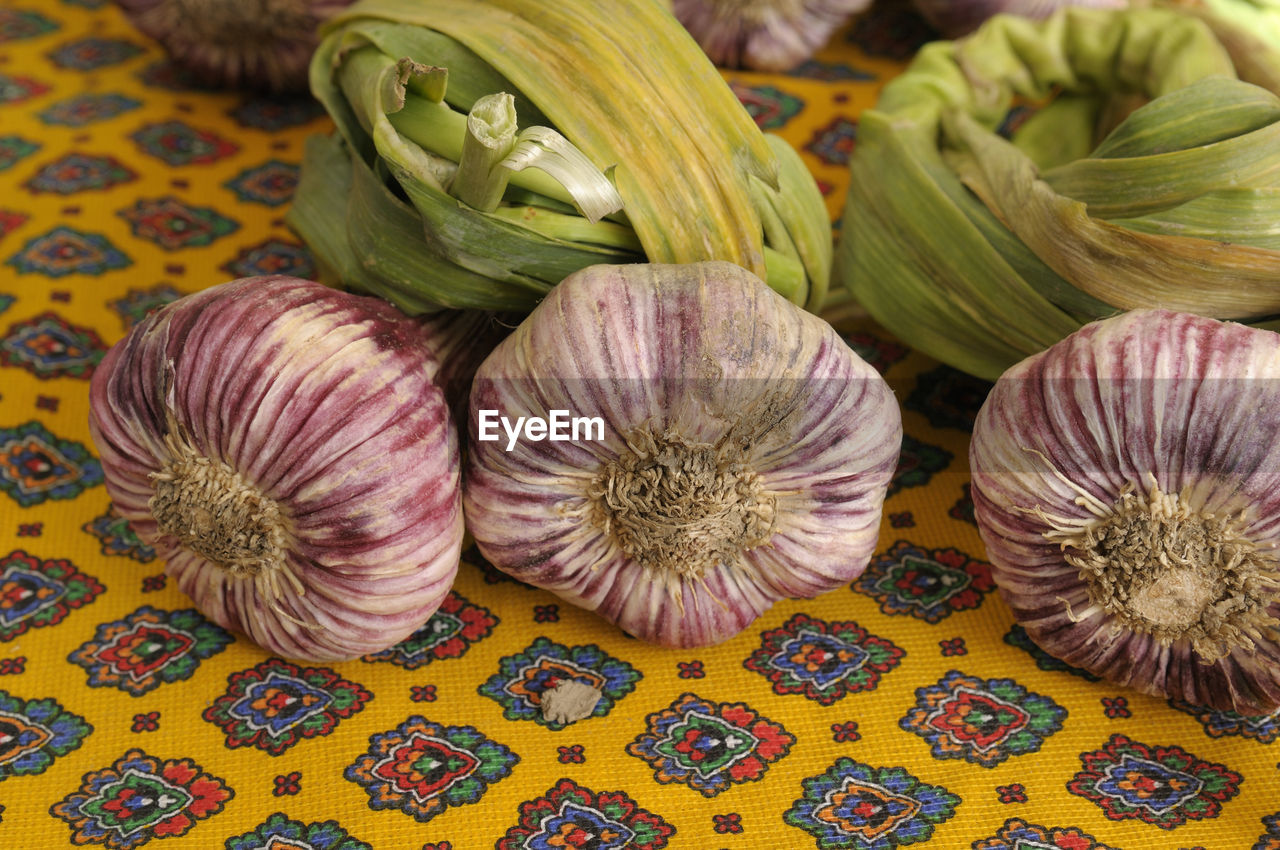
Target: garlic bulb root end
1160	566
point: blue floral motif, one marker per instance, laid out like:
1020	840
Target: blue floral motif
1269	840
274	256
118	537
423	768
64	250
16	24
276	113
833	144
87	108
34	732
89	54
279	831
36	466
523	678
148	648
48	346
1220	724
983	721
271	183
15	148
77	172
854	805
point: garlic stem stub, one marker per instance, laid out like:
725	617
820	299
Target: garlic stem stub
1126	483
285	449
719	449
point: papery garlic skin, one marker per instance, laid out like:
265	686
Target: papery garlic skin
763	35
1149	437
285	450
745	455
262	45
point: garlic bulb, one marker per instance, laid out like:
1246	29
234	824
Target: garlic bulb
1126	483
763	35
283	447
719	449
250	44
954	18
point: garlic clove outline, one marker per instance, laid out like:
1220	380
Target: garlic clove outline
285	449
1126	483
743	455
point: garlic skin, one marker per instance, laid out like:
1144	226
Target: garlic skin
284	448
955	18
1126	483
263	45
763	35
744	454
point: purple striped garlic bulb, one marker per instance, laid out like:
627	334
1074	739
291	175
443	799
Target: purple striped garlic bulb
956	18
763	35
718	449
284	448
1127	487
260	45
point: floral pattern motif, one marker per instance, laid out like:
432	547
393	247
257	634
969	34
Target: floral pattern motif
149	648
279	832
104	182
36	466
139	797
855	805
48	346
118	537
569	815
35	593
1017	834
1220	724
1163	786
523	678
926	584
422	768
65	250
982	721
825	661
34	732
710	746
174	225
452	630
79	172
275	704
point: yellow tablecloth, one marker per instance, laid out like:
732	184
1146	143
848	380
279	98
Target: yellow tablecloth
905	708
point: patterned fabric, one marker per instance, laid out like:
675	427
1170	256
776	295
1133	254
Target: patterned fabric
904	709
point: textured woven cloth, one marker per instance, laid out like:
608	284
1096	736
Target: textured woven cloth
904	708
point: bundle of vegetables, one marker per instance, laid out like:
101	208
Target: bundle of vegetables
486	150
981	249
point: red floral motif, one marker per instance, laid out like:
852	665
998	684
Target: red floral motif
138	798
730	823
1116	707
690	670
287	783
572	754
846	732
1013	793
